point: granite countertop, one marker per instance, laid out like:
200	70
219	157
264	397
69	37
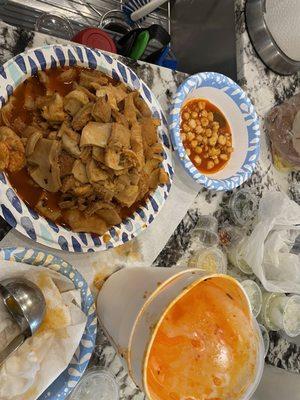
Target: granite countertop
265	90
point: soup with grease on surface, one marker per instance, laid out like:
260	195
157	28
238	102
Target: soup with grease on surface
206	347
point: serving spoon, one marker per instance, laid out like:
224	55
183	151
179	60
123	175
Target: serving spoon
26	304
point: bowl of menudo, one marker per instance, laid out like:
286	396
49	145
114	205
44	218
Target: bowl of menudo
84	151
215	131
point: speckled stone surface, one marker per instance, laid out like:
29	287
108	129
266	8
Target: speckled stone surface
265	90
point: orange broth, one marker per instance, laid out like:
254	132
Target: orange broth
205	348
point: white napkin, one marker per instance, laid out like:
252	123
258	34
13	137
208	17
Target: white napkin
43	357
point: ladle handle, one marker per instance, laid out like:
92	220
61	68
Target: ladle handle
12	347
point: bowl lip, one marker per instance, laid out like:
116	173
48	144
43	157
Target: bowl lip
240	98
27	64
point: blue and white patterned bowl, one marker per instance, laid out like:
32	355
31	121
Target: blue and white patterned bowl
27	221
242	118
65	383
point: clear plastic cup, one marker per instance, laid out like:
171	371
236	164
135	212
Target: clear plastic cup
243	206
281	312
233	240
54	24
210	260
206	231
254	294
96	384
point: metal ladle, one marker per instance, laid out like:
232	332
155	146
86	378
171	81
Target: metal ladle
26	304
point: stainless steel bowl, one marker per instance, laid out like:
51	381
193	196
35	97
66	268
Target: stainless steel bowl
263	41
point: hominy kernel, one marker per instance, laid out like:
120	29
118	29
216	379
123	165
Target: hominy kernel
199	138
197	160
208	132
190	136
194	143
210	116
186	116
192	123
199	129
198	150
216	124
201	105
216	161
228	142
204	121
229	149
198	122
224	157
210	164
212	141
186	128
194	114
206	148
205	140
204	113
205	155
188	152
183	137
222	140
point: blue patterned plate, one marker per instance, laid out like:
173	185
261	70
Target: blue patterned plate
242	118
27	221
65	383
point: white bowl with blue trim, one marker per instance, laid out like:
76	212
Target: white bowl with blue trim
233	102
26	220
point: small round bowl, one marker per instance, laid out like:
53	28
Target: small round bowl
243	121
26	220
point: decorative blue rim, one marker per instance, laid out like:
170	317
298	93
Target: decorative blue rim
239	97
27	221
66	382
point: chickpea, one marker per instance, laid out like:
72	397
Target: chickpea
183	137
198	150
186	128
186	116
190	136
224	157
205	140
204	113
216	124
201	105
204	121
210	116
194	114
194	143
216	161
192	123
197	160
208	132
212	141
188	152
222	140
210	164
